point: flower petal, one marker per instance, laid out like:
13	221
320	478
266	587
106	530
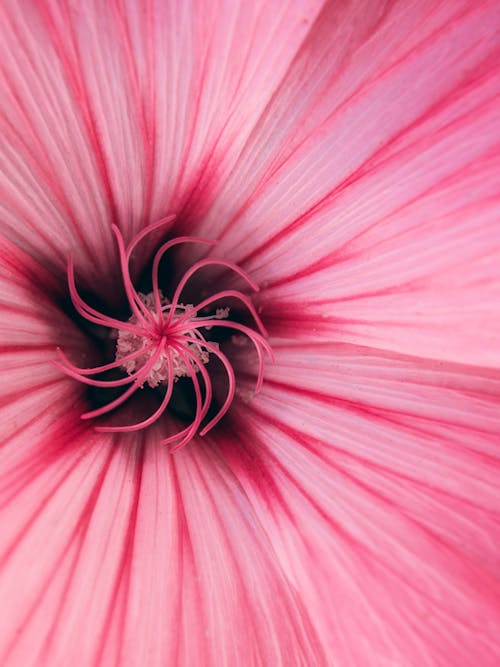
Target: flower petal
382	473
124	113
112	550
32	325
371	183
152	559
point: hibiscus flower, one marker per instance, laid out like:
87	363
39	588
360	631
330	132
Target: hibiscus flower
305	470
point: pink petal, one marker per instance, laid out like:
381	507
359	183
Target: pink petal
371	183
382	475
107	559
354	507
124	114
32	325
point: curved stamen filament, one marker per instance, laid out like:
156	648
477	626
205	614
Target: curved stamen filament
94	315
138	382
206	379
231	388
136	306
145	232
255	337
216	297
156	414
162	341
156	264
199	265
128	379
191	430
118	363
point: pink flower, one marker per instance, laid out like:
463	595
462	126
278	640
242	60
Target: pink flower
345	156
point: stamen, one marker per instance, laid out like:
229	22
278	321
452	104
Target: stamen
210	262
163	341
159	255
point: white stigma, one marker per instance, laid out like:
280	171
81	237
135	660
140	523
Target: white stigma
129	343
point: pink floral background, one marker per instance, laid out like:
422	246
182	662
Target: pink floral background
346	154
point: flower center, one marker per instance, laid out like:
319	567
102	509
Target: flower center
164	340
170	359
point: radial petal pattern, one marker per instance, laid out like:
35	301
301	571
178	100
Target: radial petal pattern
346	156
385	475
126	111
377	196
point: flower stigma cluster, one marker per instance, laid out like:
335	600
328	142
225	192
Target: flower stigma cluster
164	340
